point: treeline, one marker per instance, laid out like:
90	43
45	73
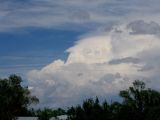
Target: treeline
138	103
47	113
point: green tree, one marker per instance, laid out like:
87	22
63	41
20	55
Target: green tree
48	113
14	98
138	101
58	112
45	114
153	113
90	110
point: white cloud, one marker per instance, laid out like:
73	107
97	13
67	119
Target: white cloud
88	70
91	50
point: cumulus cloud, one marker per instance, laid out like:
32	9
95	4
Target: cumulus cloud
91	50
97	65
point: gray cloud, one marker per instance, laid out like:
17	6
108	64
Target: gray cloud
146	68
125	60
80	16
59	14
151	58
142	27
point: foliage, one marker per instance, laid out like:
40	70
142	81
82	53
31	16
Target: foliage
47	113
139	103
90	110
14	98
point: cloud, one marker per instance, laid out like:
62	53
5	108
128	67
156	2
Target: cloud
141	27
97	65
64	14
80	16
125	60
91	50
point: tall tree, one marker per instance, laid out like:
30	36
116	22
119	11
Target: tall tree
138	101
14	98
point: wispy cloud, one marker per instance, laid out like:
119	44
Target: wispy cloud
59	14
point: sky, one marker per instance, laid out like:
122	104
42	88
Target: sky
70	50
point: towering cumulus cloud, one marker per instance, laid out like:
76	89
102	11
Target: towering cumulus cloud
98	66
91	50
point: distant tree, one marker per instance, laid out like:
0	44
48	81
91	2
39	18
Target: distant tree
90	110
115	109
139	103
45	114
14	98
58	112
48	113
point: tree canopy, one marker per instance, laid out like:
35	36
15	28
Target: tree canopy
48	113
14	98
139	103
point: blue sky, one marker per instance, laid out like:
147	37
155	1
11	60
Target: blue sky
34	47
80	48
